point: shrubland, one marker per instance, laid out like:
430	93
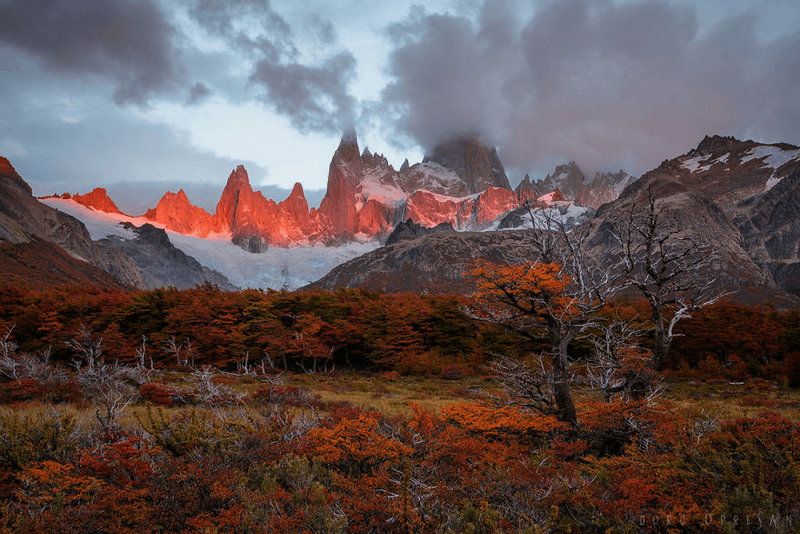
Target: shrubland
352	411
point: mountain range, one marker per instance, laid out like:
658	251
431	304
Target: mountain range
462	183
739	198
434	217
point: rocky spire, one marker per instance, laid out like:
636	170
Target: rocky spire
473	161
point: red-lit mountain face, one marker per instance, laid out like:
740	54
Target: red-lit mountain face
462	183
365	199
740	199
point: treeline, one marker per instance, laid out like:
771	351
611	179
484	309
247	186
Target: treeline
297	331
351	328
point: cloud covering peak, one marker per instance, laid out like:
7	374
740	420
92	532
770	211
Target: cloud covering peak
601	82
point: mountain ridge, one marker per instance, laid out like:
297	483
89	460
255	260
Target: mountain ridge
461	182
738	198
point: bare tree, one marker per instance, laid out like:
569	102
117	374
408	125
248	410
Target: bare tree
554	298
88	348
524	385
619	367
116	386
669	266
8	364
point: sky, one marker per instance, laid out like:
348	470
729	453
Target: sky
145	96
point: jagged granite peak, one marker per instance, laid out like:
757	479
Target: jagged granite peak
473	161
296	201
404	167
238	185
176	212
348	146
571	181
97	199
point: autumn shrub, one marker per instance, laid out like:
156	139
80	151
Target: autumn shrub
286	396
46	435
23	389
157	394
452	371
504	421
355	445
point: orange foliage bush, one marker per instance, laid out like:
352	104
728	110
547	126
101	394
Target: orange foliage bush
505	421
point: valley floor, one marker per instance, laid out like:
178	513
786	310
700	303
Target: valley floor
199	450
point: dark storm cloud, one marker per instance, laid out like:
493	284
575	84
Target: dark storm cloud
314	97
251	26
125	41
450	76
198	93
606	84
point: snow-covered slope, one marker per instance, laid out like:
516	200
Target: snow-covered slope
277	268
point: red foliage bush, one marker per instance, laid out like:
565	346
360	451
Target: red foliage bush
157	394
24	389
286	396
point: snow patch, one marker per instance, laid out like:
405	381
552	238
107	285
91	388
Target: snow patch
773	156
435	170
386	194
277	268
772	182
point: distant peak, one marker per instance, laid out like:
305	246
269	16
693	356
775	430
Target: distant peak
239	175
297	189
349	137
716	142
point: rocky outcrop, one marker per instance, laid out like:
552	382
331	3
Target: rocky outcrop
433	263
25	220
161	263
770	230
573	185
98	200
410	230
738	198
175	212
477	165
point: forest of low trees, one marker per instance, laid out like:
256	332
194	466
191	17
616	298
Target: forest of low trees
347	329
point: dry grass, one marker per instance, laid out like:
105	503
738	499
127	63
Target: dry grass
394	396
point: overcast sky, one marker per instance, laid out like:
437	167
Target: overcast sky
141	96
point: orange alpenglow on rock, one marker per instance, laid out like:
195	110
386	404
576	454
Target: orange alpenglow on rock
98	200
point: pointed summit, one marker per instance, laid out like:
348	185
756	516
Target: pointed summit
98	200
176	213
477	164
349	137
348	146
237	189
